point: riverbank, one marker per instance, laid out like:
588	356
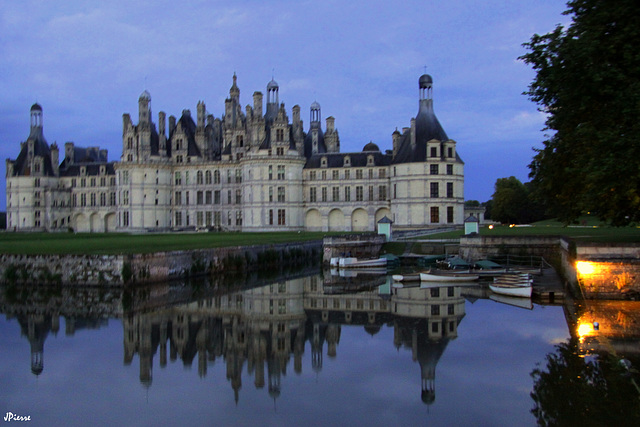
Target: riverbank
140	268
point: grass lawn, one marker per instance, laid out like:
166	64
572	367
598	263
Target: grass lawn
119	243
586	233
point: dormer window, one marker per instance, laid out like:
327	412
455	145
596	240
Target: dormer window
83	171
102	170
323	162
347	161
369	160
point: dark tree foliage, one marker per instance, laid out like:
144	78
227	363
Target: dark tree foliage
513	203
588	82
574	391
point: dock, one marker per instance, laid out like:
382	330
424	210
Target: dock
548	287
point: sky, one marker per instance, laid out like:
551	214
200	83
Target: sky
87	62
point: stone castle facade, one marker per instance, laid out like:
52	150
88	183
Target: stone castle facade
249	170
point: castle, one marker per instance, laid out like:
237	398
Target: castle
251	170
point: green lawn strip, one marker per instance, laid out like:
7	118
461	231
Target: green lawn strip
580	233
117	243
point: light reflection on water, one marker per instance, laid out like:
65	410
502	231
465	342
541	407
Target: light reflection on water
308	351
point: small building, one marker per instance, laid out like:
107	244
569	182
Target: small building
384	227
471	224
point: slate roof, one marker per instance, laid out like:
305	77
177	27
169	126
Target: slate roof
40	148
188	126
357	159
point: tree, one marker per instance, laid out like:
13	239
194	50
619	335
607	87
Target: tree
512	202
588	82
572	390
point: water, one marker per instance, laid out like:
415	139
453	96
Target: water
273	355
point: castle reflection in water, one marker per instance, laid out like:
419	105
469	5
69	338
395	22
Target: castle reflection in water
263	329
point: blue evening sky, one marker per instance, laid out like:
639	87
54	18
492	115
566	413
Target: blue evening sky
86	63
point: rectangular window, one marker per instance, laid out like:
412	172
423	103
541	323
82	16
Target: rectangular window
358	173
382	192
103	199
270	172
228	197
382	173
270	216
335	194
433	152
433	169
450	214
435	189
178	219
324	175
238	217
281	217
324	194
435	214
178	178
347	194
359	195
449	169
280	172
238	196
312	194
199	219
112	199
280	194
208	217
207	198
199	198
125	218
216	197
336	174
238	176
312	176
371	193
347	174
449	189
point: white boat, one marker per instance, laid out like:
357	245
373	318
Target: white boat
512	290
514	301
358	263
334	262
448	277
406	277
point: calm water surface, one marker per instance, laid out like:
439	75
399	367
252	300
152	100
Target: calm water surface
305	351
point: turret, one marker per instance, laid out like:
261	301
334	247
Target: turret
144	108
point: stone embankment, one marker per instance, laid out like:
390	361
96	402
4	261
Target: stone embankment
589	270
119	270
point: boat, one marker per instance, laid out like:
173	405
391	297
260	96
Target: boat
511	290
334	261
522	279
352	262
513	301
406	277
443	276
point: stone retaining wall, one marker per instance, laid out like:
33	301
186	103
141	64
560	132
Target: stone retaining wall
118	270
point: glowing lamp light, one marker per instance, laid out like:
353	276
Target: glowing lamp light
491	227
585	329
585	268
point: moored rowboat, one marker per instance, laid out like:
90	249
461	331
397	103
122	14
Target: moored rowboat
356	263
448	277
512	290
